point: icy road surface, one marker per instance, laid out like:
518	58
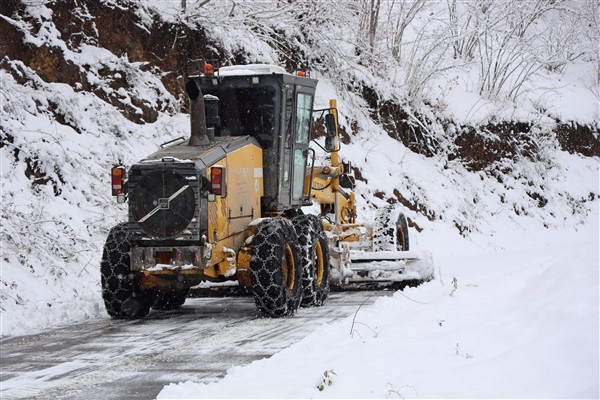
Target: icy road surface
134	359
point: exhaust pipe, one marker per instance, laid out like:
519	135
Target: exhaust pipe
199	136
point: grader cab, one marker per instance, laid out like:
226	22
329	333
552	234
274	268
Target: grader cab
227	205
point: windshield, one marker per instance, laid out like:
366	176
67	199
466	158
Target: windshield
245	111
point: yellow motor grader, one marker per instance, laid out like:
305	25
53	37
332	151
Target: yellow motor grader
227	205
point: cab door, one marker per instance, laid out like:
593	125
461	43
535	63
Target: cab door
304	104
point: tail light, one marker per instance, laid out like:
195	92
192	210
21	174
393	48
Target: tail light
217	183
118	179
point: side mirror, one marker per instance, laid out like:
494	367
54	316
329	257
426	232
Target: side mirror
329	145
330	125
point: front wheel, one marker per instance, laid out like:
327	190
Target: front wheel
390	230
276	271
122	295
314	251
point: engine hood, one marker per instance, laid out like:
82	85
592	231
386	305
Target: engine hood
167	199
202	156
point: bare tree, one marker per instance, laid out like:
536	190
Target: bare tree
507	53
425	59
560	42
589	14
400	15
369	22
375	6
463	31
414	41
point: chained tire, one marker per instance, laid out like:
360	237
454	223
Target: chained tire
170	299
390	230
122	295
314	256
276	272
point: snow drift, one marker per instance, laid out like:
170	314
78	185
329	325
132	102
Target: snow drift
517	322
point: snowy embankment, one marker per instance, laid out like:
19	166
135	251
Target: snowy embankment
517	322
56	202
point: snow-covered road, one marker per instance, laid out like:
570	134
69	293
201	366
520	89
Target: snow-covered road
135	359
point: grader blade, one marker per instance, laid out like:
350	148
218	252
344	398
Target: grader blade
386	267
383	255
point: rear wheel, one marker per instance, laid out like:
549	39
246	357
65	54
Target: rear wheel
122	295
314	252
170	300
390	230
275	266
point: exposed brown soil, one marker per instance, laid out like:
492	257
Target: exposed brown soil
173	50
481	147
579	139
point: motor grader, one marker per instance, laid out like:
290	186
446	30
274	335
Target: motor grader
227	205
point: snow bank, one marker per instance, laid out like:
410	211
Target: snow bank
521	322
58	145
56	202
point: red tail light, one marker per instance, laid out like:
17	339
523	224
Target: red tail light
216	180
118	175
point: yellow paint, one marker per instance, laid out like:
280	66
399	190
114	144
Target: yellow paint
326	190
335	158
229	215
321	190
148	281
320	267
243	266
323	194
163	278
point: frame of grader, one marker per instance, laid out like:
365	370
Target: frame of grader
227	205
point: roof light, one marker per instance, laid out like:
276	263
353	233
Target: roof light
208	69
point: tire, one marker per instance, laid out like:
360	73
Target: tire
122	295
170	300
276	273
314	256
390	230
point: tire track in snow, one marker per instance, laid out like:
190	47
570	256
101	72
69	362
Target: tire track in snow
134	359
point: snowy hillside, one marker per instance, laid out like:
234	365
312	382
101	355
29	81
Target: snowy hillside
498	169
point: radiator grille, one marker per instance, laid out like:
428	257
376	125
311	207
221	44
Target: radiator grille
164	202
